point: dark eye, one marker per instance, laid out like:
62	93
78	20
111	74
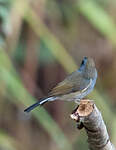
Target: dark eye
82	62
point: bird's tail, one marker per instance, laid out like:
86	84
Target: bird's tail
41	102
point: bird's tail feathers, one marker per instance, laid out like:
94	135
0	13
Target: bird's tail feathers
41	102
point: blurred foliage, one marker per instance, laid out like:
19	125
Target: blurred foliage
19	53
15	88
45	55
4	18
104	23
39	41
7	143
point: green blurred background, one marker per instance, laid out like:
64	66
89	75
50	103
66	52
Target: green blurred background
41	41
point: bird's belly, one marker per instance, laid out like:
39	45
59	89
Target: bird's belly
70	97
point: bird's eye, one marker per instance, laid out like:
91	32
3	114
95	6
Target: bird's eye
82	62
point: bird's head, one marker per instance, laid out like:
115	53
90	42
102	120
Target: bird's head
88	67
90	63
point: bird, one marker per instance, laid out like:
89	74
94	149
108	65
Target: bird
74	87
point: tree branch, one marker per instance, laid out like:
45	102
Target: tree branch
88	116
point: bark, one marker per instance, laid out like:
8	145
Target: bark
89	117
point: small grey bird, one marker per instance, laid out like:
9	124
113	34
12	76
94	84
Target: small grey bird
74	87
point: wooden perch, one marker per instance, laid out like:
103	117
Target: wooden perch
88	116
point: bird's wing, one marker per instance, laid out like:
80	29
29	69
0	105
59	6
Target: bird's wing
62	88
67	86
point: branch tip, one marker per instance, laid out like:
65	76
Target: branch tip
85	108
